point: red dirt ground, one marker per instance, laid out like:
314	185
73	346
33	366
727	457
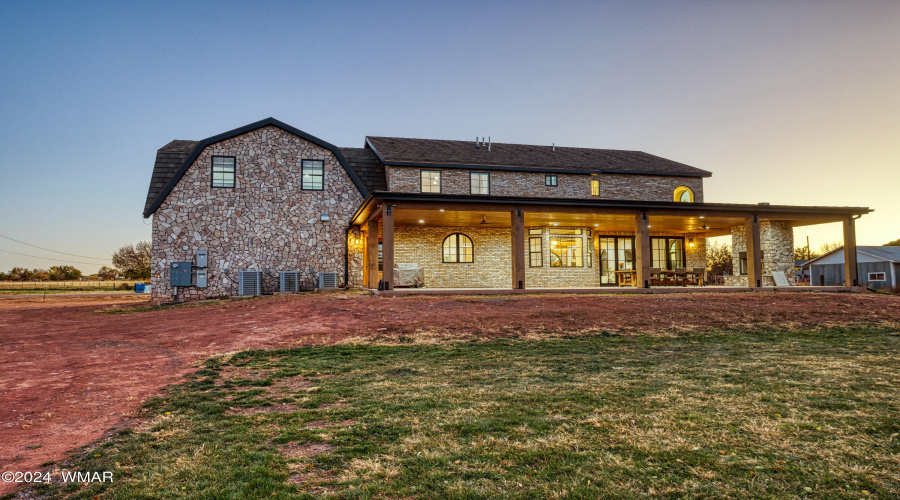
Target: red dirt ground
69	373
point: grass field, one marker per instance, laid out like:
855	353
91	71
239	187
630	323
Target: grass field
729	414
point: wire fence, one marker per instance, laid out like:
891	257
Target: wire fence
69	285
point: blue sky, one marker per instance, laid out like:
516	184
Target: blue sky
785	102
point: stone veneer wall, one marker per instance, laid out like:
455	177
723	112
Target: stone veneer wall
506	183
356	245
265	222
777	244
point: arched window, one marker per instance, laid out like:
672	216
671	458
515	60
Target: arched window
458	248
684	194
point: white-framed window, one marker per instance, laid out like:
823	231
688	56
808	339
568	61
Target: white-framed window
312	173
551	180
480	182
876	277
223	171
430	181
595	188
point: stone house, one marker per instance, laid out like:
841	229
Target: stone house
268	197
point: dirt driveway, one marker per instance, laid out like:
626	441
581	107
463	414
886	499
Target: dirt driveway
68	373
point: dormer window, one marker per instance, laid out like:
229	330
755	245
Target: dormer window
684	194
551	180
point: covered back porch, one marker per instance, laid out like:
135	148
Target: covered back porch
469	243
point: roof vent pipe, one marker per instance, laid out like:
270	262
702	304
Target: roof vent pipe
554	146
476	143
489	144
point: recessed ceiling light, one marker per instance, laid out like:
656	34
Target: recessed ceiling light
701	217
556	223
648	225
442	210
421	221
595	225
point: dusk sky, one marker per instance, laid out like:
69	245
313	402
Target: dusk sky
785	102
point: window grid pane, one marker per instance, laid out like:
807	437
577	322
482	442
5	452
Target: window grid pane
480	183
431	181
535	251
222	172
312	174
457	248
595	188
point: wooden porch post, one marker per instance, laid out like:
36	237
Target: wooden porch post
754	252
850	270
517	230
372	253
387	246
642	252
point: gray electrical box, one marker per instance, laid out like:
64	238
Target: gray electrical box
201	278
180	274
201	258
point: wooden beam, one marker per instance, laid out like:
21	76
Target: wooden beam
642	250
850	270
372	254
387	246
754	252
517	225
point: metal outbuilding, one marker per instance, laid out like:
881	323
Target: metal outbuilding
877	267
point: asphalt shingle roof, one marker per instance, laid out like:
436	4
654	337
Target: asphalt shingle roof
465	153
169	159
367	166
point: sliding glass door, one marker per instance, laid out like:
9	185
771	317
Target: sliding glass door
616	254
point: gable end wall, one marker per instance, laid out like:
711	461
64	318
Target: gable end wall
265	222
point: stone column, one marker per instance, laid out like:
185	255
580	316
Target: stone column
372	254
754	252
387	246
850	270
642	250
517	230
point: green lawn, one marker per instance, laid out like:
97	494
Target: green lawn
736	414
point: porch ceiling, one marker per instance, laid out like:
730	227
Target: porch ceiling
710	226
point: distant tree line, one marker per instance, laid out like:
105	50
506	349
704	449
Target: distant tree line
130	261
55	273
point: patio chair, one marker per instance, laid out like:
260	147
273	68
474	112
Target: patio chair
680	276
695	276
655	278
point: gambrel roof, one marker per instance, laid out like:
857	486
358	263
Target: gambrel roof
166	175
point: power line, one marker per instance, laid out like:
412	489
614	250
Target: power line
53	259
54	251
